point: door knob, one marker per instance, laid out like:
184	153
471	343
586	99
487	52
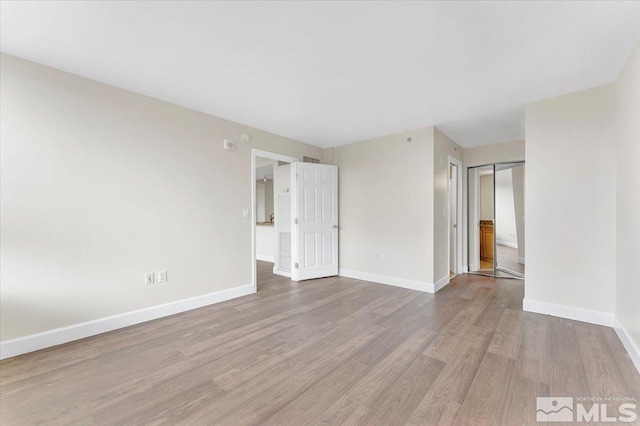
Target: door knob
335	226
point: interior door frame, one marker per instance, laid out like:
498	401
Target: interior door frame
473	265
458	237
255	153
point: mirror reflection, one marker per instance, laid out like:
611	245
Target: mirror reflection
496	219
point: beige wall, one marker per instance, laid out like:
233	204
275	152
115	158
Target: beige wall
495	153
329	156
628	198
570	200
386	205
443	148
393	205
486	197
100	186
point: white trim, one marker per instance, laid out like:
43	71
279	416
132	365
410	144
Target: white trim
627	341
458	164
276	271
58	336
569	312
521	260
475	229
384	279
273	156
507	244
265	258
441	283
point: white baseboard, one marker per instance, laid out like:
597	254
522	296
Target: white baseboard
58	336
521	260
507	244
441	283
606	319
265	258
632	347
279	272
384	279
569	312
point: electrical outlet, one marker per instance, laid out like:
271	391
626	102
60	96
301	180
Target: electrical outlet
162	276
149	278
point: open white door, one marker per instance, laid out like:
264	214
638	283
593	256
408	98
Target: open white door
315	220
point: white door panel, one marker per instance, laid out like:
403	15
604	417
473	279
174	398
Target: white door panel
315	206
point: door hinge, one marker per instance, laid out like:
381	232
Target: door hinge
295	221
296	266
296	176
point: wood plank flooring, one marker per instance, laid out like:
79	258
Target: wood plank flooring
330	351
508	258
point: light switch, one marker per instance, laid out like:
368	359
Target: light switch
245	213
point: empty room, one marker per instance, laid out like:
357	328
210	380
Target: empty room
319	212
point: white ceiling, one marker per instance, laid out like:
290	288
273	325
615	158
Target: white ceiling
330	73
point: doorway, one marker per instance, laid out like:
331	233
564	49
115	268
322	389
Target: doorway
294	215
454	214
495	225
271	213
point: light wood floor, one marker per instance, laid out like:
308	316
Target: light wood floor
507	258
330	351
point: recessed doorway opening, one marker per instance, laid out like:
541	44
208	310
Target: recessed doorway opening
294	216
271	213
495	225
454	214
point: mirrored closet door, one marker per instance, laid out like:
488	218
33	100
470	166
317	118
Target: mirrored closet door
495	226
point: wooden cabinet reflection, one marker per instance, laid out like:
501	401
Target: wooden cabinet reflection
486	240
